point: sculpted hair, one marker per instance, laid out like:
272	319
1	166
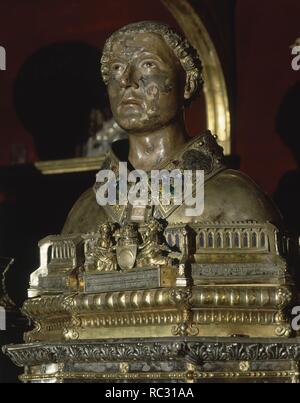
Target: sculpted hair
182	49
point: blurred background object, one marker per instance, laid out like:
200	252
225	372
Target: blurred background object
18	154
102	133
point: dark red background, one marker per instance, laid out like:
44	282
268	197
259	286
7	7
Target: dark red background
265	30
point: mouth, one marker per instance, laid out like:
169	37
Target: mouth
130	101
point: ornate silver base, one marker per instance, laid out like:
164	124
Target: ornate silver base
193	360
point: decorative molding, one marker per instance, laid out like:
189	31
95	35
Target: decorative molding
188	376
190	349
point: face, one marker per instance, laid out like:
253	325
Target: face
146	83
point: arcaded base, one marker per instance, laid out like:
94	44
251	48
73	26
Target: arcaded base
177	359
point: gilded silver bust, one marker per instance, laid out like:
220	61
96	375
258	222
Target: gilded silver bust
150	288
151	75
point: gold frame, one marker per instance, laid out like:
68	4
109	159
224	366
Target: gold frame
70	165
215	90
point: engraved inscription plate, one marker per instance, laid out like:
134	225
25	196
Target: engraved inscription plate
256	272
54	283
134	280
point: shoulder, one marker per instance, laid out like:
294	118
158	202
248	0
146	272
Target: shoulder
233	196
85	215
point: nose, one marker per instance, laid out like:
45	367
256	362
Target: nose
129	77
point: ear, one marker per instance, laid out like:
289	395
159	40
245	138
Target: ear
190	87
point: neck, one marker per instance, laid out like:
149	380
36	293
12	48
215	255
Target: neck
152	149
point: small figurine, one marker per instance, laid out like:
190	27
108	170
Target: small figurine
154	251
100	251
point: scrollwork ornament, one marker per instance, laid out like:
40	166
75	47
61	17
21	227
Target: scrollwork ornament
186	327
284	297
70	334
34	334
181	295
283	330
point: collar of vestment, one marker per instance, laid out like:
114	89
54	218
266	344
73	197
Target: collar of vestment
200	153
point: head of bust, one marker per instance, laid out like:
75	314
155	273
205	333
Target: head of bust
151	73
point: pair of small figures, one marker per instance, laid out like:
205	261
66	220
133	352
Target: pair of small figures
123	248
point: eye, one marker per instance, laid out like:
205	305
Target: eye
117	67
148	65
